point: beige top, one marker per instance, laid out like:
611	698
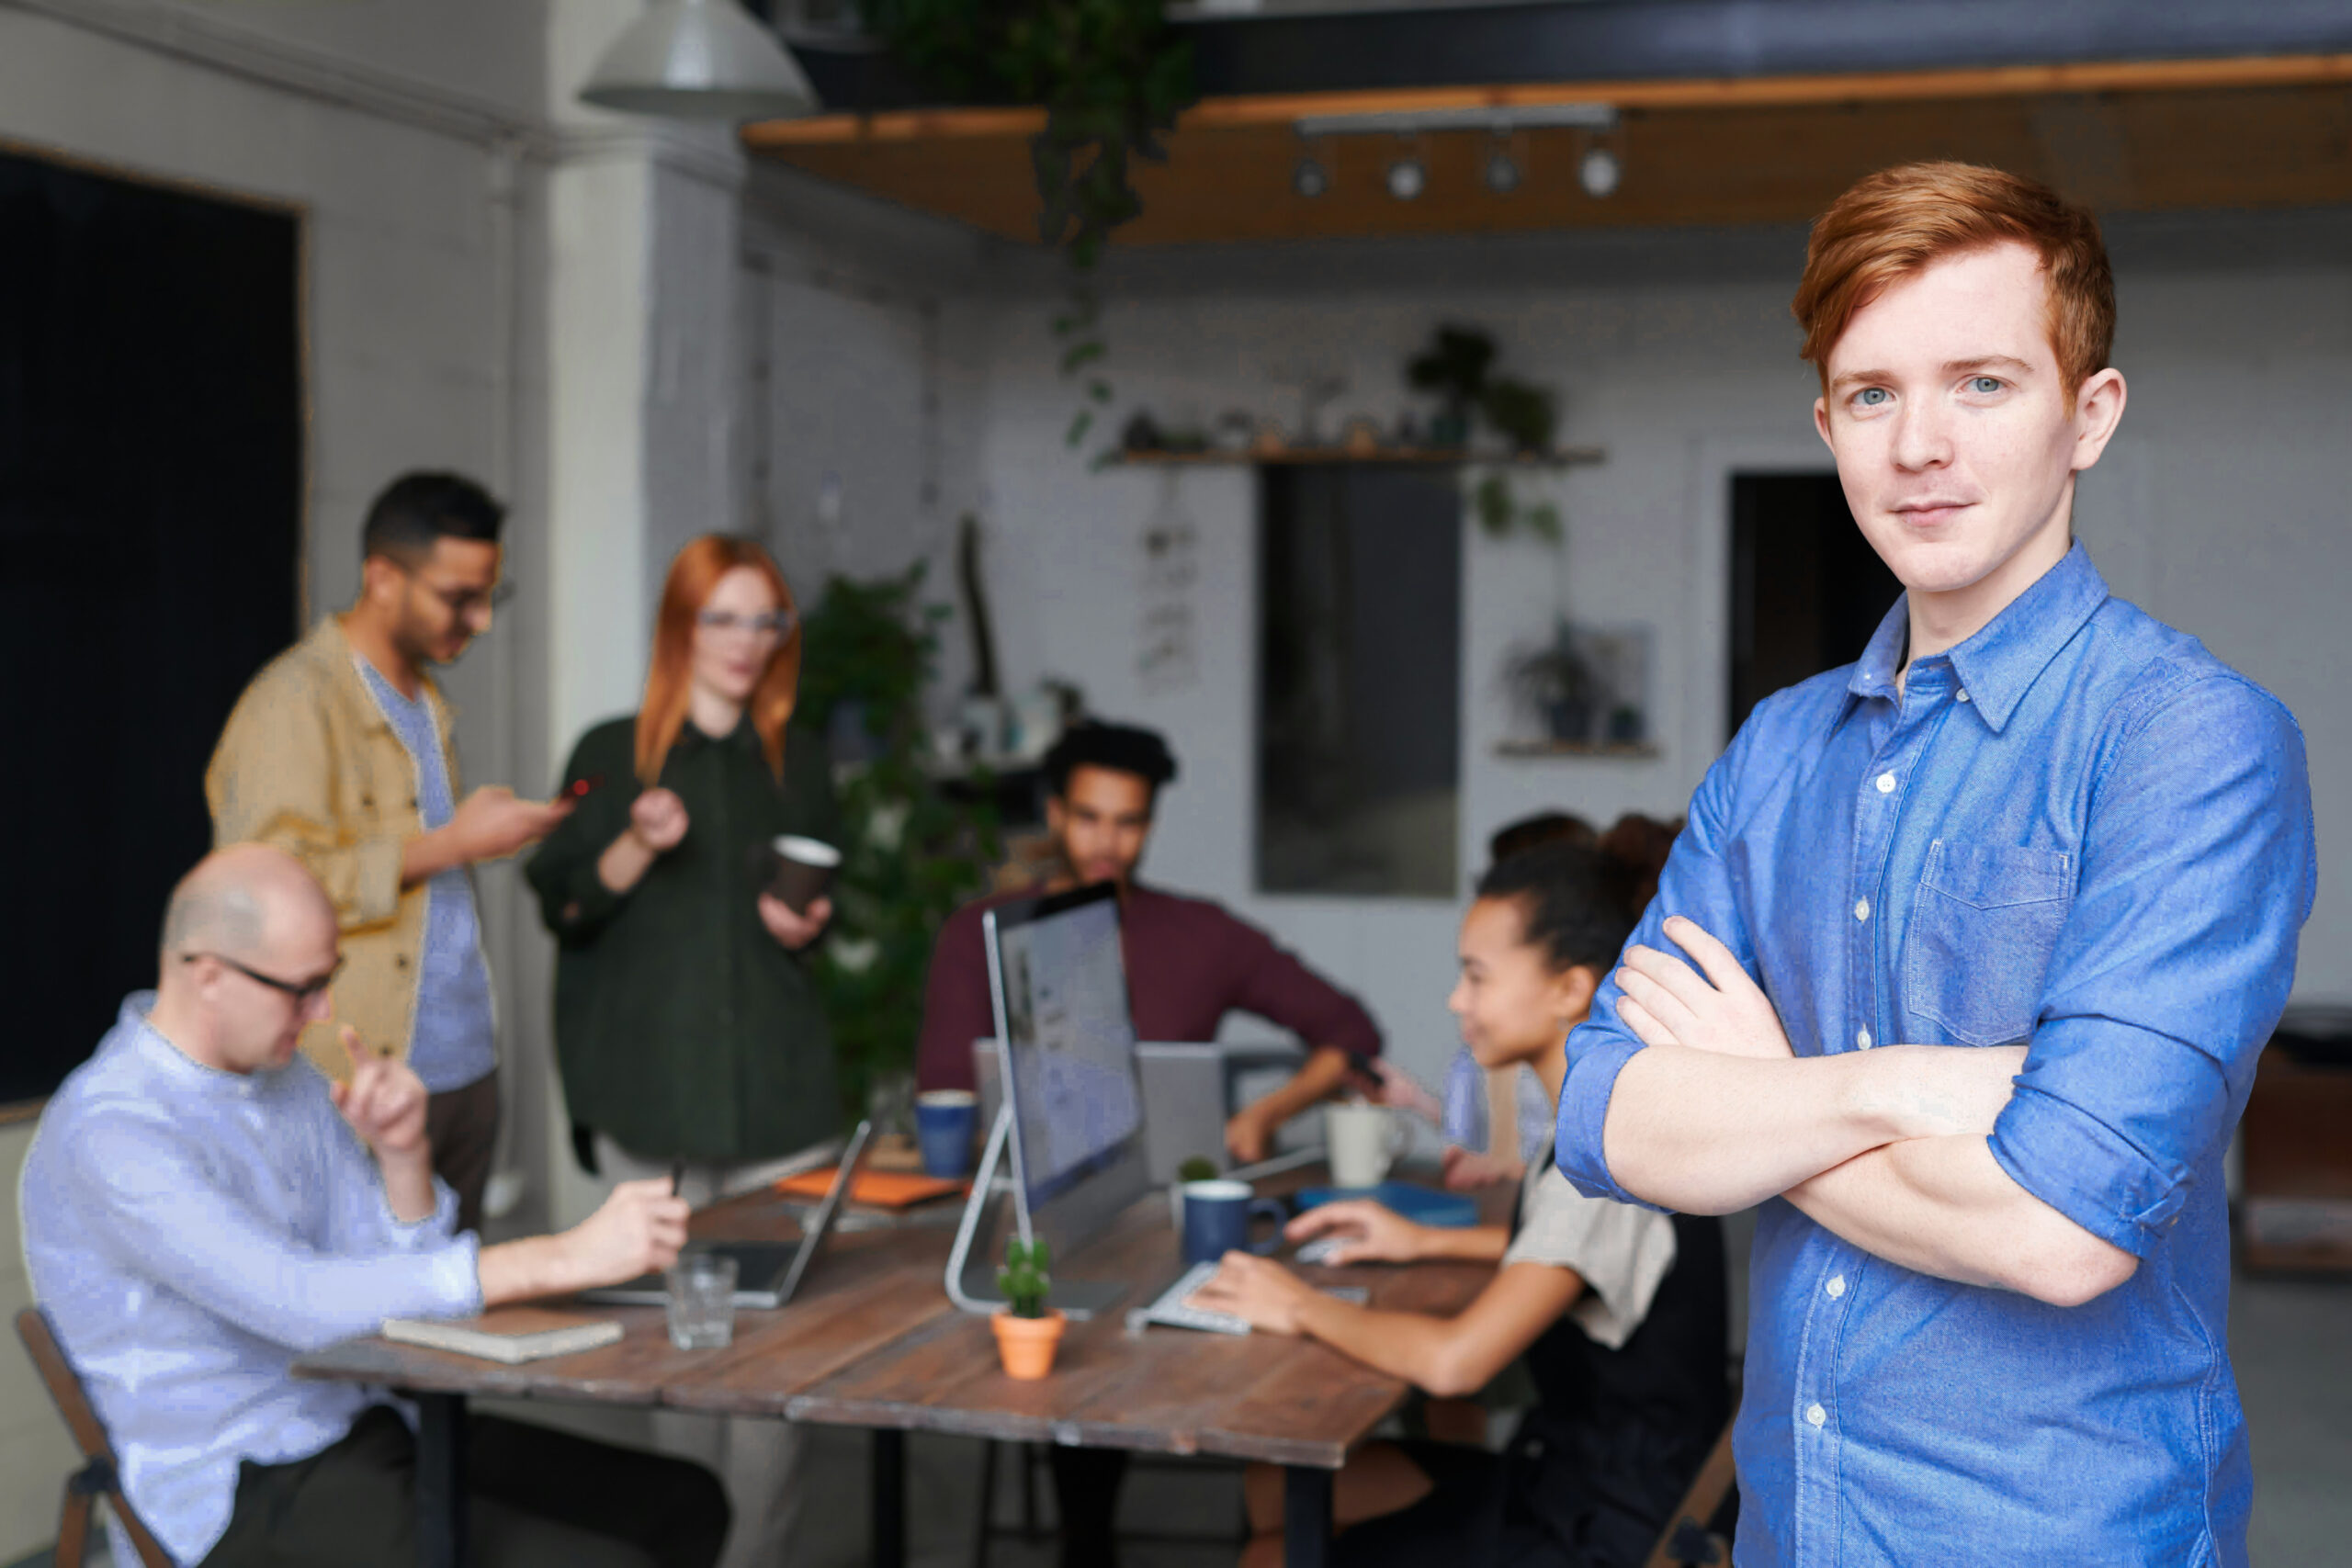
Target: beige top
308	762
1619	1251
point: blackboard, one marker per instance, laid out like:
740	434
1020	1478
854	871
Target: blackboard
150	533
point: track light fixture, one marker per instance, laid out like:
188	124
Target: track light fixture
1502	169
1598	172
1311	176
1409	173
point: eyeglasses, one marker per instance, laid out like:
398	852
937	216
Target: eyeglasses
776	623
304	992
466	602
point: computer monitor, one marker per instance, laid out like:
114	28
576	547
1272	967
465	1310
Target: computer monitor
1058	985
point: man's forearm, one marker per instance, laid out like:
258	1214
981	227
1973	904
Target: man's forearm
1944	1206
407	1187
429	854
1712	1133
1325	1070
523	1271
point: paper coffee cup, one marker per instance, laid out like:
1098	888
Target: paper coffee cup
804	869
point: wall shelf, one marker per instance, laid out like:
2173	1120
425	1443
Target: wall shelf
1630	751
1429	456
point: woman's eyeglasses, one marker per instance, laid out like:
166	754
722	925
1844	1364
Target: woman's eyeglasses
775	624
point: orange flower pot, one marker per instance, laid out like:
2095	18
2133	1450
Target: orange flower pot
1027	1345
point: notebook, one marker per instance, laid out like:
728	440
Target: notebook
878	1188
512	1334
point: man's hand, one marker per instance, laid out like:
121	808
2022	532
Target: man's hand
492	823
1259	1290
1247	1135
1362	1230
1400	1089
384	1101
793	931
1668	1003
657	819
639	1231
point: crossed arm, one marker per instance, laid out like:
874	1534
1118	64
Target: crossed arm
1885	1149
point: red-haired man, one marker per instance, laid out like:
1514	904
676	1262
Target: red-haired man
1988	928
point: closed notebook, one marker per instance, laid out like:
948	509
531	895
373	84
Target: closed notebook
878	1188
512	1334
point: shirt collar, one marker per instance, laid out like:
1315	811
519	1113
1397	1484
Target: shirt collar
174	1066
744	736
1997	665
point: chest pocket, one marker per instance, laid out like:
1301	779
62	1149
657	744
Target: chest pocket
1982	932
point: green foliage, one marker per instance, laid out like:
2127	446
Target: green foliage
1198	1168
1025	1280
1523	413
909	855
1453	367
1501	515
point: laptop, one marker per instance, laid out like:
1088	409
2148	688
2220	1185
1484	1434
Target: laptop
766	1273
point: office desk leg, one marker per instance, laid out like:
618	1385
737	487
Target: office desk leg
441	1481
889	1498
1307	1517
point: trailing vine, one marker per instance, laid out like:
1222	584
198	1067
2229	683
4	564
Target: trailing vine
1112	76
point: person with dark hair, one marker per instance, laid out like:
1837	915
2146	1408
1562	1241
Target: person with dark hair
1619	1311
339	753
1189	961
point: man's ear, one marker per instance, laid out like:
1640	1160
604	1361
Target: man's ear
1056	815
380	578
1821	423
2099	408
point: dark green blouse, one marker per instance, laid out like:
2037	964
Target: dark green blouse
683	1030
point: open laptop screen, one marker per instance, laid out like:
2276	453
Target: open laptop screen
1061	995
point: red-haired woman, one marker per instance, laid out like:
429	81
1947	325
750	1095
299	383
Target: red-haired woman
688	1031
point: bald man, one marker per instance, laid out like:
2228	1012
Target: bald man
201	1206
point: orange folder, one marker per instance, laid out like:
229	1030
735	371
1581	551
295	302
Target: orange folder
881	1188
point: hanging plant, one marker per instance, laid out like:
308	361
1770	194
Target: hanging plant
1111	76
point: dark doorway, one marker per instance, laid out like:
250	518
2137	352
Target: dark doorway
1806	589
1360	661
151	530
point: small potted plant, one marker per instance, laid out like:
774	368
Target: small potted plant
1200	1168
1026	1332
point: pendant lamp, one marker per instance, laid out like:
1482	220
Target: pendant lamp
699	60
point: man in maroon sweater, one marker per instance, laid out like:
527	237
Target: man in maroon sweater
1188	963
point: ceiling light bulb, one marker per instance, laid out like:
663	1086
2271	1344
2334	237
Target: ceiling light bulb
1502	172
1310	179
1600	173
1407	178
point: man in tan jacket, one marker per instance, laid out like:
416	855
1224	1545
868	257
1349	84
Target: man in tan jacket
339	753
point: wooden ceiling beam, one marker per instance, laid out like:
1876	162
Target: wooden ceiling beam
1716	93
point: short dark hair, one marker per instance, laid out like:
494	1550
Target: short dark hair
1121	748
415	510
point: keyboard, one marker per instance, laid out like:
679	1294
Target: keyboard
1170	1310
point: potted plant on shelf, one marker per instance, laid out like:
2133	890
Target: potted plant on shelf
1026	1334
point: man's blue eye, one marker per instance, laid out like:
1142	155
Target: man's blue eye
1871	397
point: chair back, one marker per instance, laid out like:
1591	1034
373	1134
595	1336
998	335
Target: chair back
97	1477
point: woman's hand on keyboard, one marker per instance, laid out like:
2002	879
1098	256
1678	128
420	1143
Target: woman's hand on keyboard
1260	1291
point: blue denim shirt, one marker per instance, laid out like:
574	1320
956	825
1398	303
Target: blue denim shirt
2076	830
191	1232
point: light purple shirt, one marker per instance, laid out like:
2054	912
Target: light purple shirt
190	1232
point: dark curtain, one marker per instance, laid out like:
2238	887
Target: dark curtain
151	495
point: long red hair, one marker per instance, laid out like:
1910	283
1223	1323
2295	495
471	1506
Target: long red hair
693	575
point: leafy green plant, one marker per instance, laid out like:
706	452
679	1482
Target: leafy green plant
1025	1280
1197	1169
911	856
1499	512
1112	76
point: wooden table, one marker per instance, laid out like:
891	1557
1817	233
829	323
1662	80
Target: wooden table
875	1343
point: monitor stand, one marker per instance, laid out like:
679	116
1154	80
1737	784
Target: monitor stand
1078	1298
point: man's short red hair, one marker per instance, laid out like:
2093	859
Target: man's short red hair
1893	224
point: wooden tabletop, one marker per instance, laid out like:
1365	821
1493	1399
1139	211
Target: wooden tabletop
1261	1396
864	1291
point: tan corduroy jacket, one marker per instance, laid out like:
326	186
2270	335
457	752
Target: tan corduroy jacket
308	762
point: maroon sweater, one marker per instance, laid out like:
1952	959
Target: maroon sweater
1188	964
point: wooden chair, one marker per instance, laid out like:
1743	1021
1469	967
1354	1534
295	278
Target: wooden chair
97	1477
1687	1541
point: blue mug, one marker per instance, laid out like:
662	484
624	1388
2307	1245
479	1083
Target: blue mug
1218	1216
944	1122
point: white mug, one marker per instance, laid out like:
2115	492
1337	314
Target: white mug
1363	1141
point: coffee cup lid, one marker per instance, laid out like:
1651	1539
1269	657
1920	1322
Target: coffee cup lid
807	852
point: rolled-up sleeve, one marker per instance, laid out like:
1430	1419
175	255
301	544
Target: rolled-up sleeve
1696	884
2198	869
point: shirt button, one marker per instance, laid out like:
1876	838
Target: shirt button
1815	1414
1886	783
1837	1287
1862	908
1963	697
1863	1038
